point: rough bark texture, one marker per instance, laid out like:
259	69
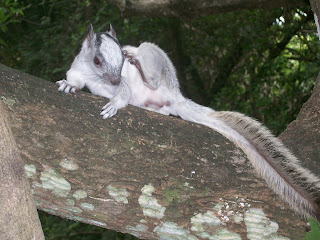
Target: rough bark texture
303	134
18	216
176	8
307	124
140	172
315	4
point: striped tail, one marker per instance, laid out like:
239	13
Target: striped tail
273	161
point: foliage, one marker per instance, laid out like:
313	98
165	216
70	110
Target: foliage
262	63
56	228
10	12
314	234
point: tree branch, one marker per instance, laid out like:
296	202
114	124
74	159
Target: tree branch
140	172
196	8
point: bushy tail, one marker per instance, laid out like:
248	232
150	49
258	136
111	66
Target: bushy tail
273	161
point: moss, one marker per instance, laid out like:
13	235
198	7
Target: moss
172	196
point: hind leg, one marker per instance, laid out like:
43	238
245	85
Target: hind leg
151	78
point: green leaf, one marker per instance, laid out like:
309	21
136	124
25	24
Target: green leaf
3	43
314	234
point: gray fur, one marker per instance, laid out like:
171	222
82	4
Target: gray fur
158	68
160	92
103	79
299	187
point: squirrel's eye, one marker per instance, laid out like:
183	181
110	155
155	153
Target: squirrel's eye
96	61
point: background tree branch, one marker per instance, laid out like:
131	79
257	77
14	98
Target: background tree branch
139	172
195	8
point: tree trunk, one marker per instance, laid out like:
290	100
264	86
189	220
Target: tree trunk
146	174
176	8
315	4
18	216
307	124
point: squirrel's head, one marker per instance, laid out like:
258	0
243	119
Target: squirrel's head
104	55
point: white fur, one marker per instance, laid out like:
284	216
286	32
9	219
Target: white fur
161	93
255	140
110	48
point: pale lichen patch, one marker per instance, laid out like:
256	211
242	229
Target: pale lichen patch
200	221
260	227
171	230
73	209
49	210
150	205
147	190
186	184
237	218
51	180
162	146
36	184
223	234
30	170
80	194
97	223
70	202
143	221
8	101
137	230
69	165
118	194
218	207
76	218
87	206
208	226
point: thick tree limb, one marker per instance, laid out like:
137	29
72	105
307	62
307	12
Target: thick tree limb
303	134
307	124
139	172
18	216
198	8
315	4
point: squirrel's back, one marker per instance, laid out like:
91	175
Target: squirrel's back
158	66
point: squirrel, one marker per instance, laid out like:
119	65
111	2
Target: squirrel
145	77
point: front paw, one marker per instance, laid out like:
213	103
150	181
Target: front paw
66	87
108	110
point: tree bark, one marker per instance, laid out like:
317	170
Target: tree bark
142	173
176	8
315	4
309	114
18	216
307	128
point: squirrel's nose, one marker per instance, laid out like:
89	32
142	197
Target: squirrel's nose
113	79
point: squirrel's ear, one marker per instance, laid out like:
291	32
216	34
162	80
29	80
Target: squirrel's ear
91	35
112	32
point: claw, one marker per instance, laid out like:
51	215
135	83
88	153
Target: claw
107	105
64	86
108	110
67	89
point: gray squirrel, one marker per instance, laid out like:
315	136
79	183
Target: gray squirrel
145	77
